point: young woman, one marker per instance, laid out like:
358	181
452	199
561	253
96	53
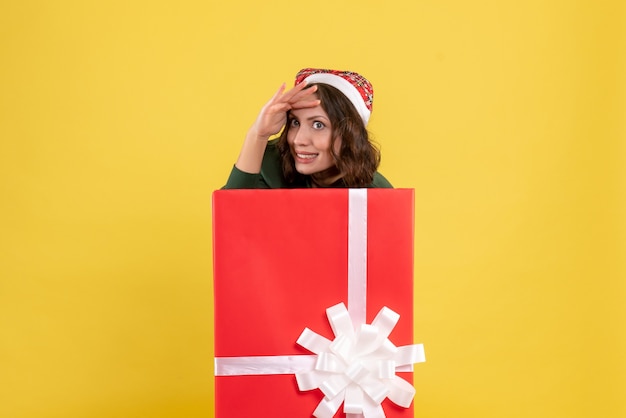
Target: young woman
324	142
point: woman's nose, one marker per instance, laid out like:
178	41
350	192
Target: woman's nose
301	136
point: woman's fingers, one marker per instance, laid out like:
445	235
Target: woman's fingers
302	94
303	104
282	101
273	115
297	89
279	93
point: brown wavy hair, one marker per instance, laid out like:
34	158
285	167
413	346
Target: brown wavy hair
358	157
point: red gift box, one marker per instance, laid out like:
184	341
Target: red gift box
281	258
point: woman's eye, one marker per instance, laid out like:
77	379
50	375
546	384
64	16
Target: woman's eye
318	125
294	122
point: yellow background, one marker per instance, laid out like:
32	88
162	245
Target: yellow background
119	118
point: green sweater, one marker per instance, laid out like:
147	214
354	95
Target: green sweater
271	175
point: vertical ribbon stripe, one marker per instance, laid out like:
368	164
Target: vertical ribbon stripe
357	255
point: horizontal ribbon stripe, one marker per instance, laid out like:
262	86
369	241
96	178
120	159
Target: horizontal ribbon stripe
258	365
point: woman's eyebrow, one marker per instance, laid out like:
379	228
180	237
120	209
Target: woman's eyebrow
317	117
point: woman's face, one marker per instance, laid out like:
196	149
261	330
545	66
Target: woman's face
309	138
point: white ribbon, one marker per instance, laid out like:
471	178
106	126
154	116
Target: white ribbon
358	368
258	365
357	255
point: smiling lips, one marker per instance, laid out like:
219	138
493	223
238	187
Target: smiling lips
305	157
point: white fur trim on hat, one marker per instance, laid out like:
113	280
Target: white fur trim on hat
346	88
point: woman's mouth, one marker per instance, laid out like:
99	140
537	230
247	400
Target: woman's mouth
305	157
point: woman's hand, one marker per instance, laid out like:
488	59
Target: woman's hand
273	115
270	121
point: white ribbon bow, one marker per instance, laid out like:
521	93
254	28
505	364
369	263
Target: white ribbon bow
358	368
